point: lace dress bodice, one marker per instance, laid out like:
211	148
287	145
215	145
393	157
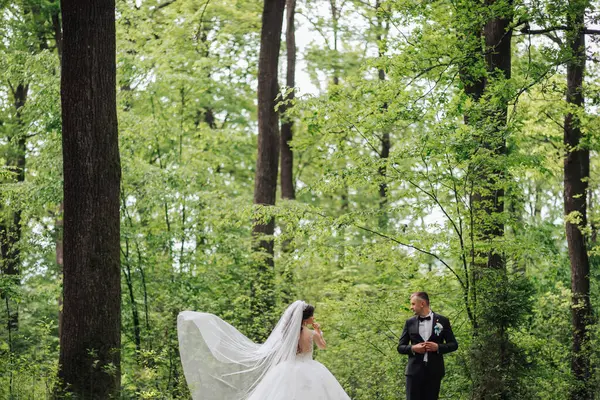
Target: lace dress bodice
305	346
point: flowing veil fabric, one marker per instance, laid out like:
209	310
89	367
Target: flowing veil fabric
220	363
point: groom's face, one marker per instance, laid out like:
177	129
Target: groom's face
417	305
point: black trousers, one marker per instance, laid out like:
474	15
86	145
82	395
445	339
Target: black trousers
423	385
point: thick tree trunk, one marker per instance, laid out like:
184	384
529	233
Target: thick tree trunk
498	37
492	280
90	337
265	183
287	155
577	171
488	276
288	190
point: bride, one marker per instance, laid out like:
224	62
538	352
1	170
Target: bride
220	363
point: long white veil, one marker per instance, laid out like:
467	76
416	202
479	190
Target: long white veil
220	363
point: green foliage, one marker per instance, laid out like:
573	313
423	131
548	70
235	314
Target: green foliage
187	123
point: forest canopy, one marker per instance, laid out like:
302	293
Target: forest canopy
343	152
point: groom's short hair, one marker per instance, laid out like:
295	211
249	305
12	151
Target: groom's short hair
422	295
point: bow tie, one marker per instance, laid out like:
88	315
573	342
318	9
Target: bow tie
427	318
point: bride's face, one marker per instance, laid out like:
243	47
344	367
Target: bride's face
309	321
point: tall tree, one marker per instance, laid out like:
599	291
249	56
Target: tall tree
497	35
288	190
287	155
10	223
265	183
488	203
335	20
336	11
576	176
488	121
386	144
90	335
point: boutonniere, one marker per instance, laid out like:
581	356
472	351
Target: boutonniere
438	328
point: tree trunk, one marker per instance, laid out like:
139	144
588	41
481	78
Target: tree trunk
288	191
335	16
382	33
59	258
57	31
590	206
577	171
537	199
56	28
90	337
344	197
287	155
473	80
489	281
265	183
135	316
498	59
383	186
10	229
492	280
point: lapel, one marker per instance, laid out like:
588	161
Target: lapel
415	327
433	322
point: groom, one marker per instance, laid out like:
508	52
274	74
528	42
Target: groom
425	339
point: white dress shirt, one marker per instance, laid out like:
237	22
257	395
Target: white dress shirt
425	328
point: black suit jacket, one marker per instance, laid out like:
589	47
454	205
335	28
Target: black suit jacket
445	339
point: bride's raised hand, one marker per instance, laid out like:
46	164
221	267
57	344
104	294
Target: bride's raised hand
321	344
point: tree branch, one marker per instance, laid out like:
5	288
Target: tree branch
165	4
529	31
364	228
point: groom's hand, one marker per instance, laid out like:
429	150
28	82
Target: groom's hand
431	346
419	348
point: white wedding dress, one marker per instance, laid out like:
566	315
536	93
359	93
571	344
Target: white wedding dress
220	363
299	379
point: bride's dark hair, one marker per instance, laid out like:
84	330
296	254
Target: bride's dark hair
308	312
